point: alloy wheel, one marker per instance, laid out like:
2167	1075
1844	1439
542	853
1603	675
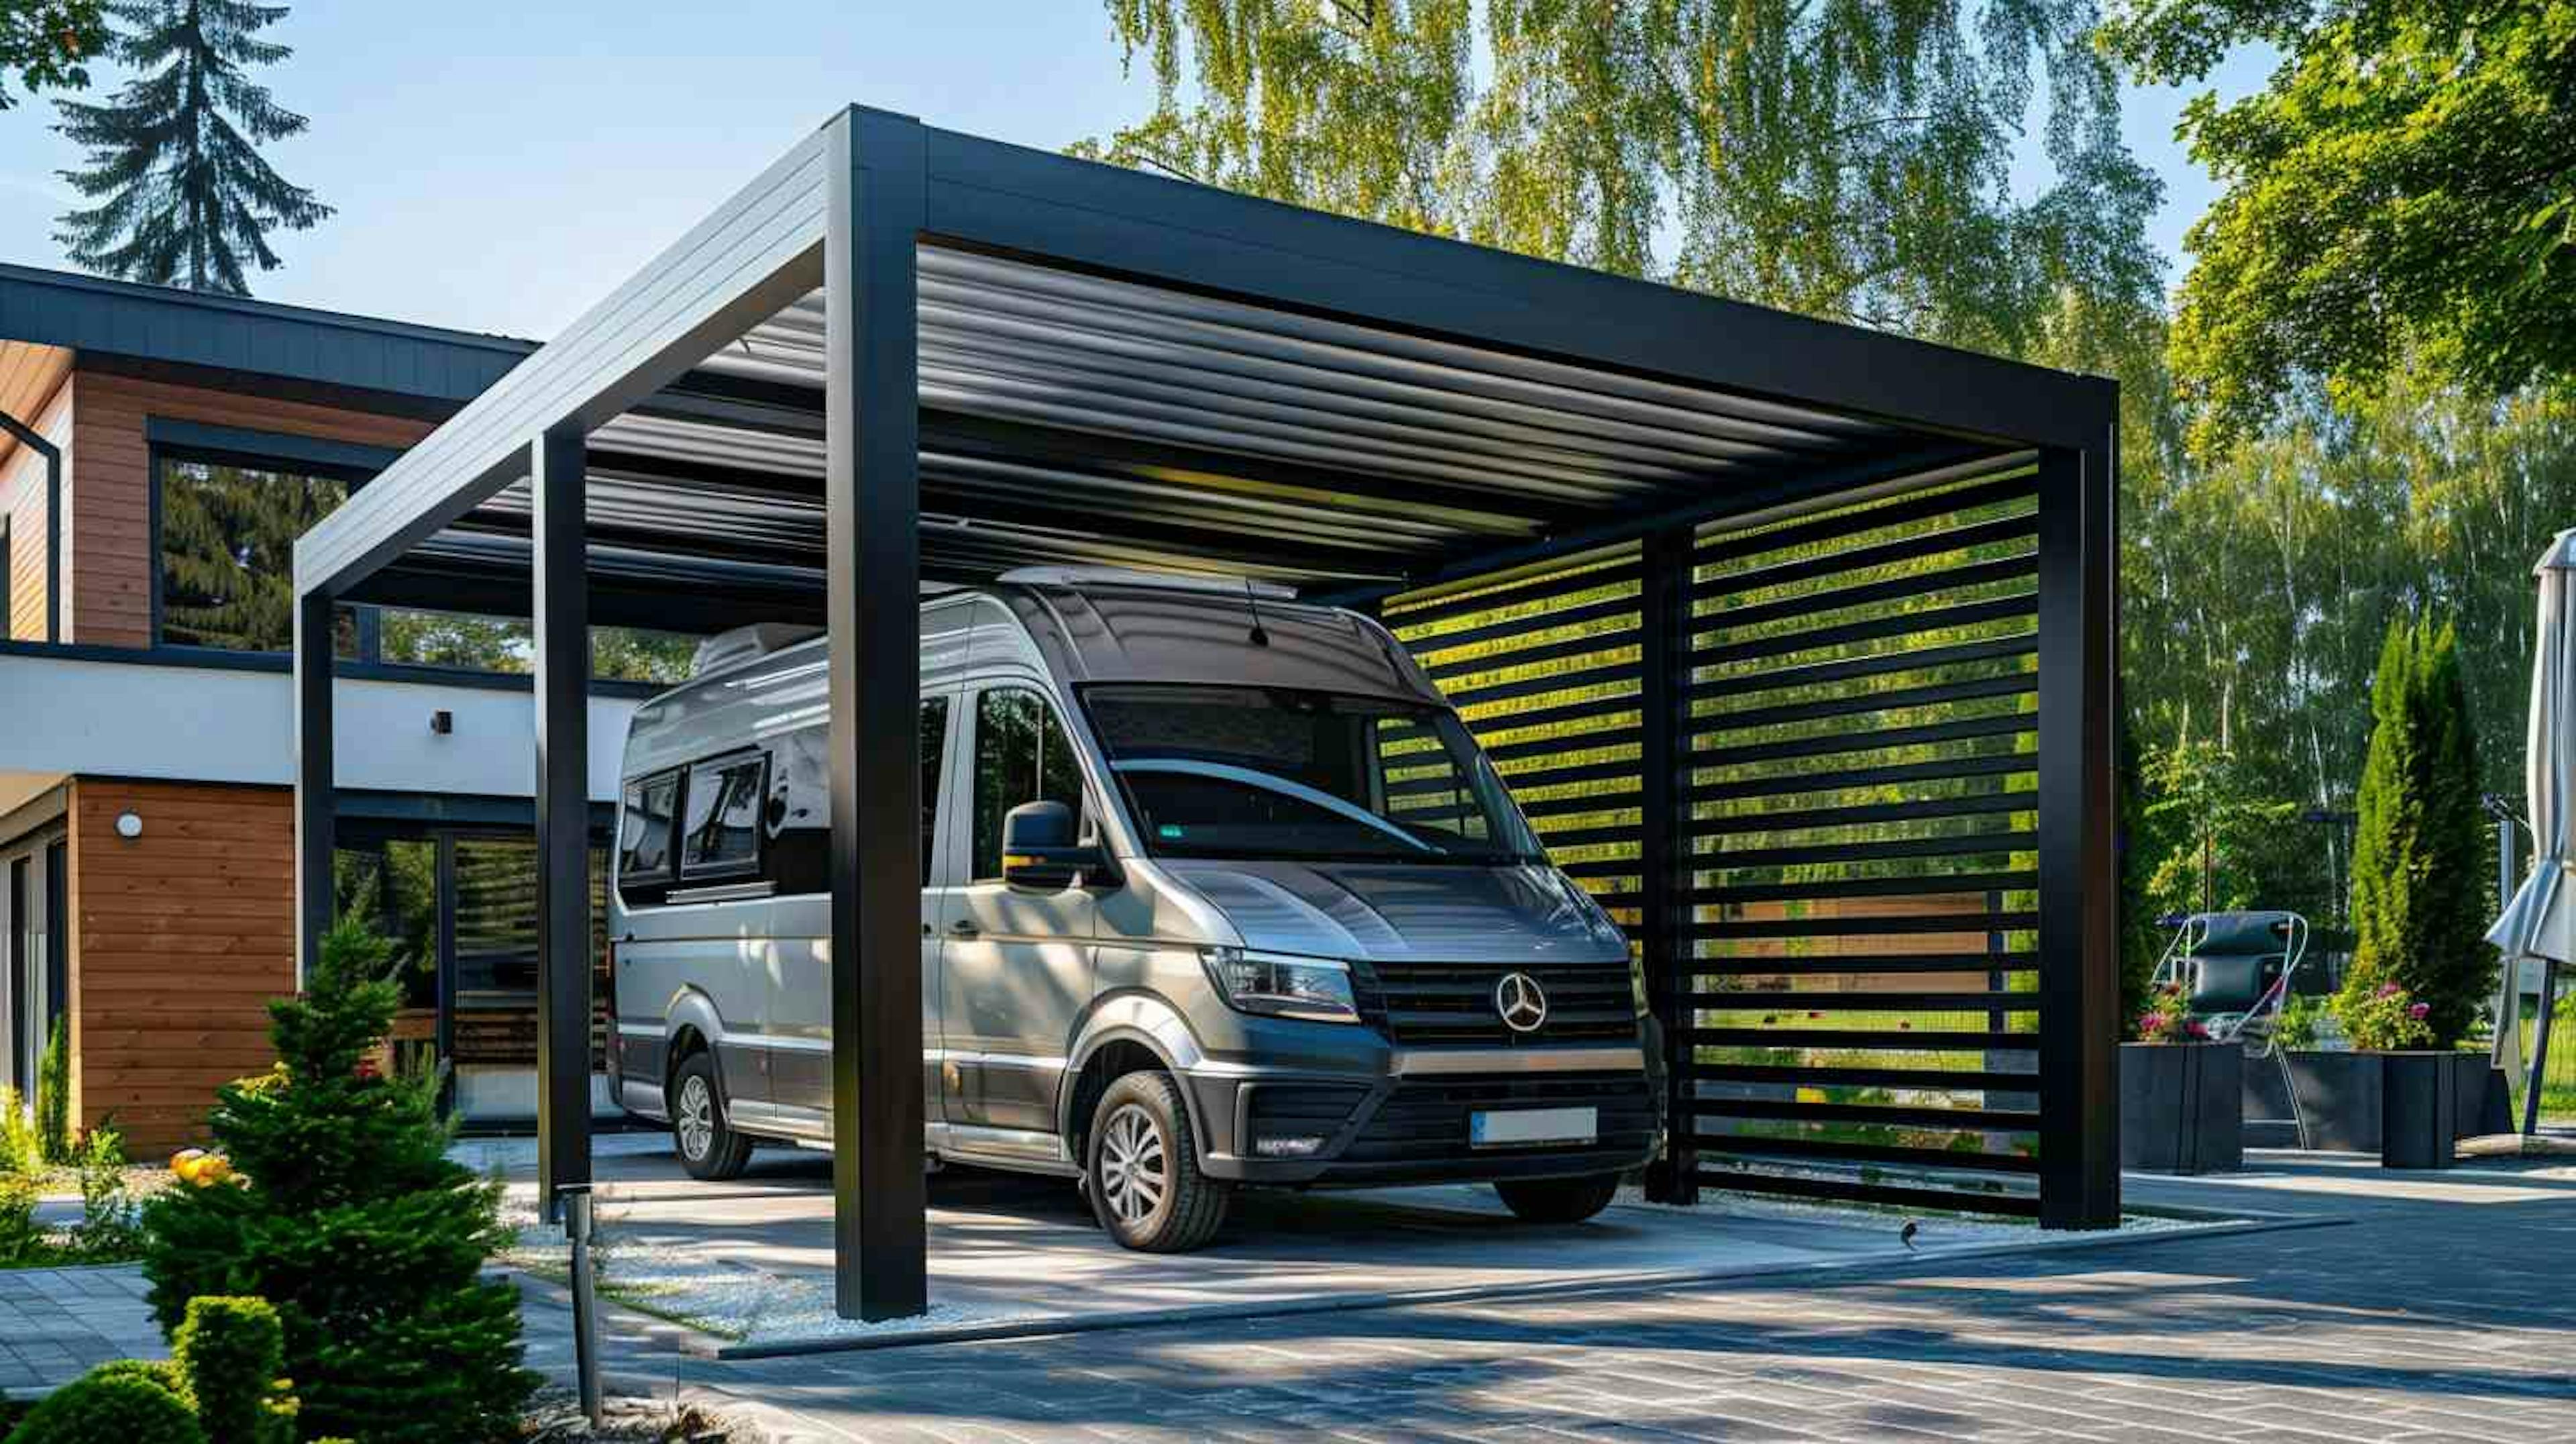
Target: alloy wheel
697	1120
1134	1172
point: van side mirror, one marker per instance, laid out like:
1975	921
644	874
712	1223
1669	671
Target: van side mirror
1040	848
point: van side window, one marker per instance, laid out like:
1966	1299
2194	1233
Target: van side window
644	828
720	833
1021	755
934	752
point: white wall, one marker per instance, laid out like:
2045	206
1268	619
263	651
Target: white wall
59	715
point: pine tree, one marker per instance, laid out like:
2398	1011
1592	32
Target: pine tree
183	195
2419	883
349	1217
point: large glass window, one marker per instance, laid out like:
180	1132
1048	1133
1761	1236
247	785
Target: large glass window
1247	772
644	828
720	835
1021	755
228	551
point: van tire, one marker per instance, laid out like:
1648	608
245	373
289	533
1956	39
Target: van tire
1142	1174
698	1120
1558	1200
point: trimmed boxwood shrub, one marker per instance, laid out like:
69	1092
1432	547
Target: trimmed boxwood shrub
232	1352
110	1407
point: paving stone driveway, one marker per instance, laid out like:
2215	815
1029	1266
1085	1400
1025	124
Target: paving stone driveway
55	1323
2444	1310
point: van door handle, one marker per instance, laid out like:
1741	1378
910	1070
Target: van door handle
965	928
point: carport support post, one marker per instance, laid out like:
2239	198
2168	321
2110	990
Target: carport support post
563	815
872	495
1663	882
2079	905
314	799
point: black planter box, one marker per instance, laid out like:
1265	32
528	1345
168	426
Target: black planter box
2182	1107
2345	1098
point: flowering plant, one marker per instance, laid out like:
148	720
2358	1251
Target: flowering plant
2168	1019
2384	1019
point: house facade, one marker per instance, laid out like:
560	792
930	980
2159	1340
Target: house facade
159	453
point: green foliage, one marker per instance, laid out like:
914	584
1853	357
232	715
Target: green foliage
2213	814
2420	896
352	1221
2383	1018
21	1152
110	1407
1850	161
2167	1018
108	1231
2403	185
183	196
232	1352
2300	1015
54	1094
44	44
23	1244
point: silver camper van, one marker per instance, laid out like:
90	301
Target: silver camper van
1218	892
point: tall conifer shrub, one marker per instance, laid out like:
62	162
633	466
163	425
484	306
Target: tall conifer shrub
2420	874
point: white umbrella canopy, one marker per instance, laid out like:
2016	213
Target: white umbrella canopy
2540	921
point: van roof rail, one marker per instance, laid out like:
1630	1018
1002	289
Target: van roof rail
1162	581
747	644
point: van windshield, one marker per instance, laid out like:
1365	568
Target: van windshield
1258	773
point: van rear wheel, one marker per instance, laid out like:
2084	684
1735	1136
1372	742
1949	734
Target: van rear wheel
1558	1200
1143	1172
708	1146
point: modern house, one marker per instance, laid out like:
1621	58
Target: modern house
160	451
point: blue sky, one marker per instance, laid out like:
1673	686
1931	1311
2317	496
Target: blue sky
498	167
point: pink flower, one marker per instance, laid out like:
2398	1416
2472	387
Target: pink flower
2389	990
2419	1011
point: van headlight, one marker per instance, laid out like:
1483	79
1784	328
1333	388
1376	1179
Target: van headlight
1317	989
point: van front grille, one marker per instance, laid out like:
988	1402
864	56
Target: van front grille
1453	1003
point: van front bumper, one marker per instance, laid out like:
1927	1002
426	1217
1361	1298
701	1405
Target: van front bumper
1303	1129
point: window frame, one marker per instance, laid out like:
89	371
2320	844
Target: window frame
731	869
971	754
161	452
669	872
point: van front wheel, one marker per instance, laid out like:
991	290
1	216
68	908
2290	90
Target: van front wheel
1143	1173
708	1146
1559	1200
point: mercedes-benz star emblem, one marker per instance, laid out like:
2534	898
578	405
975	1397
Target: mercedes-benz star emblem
1521	1001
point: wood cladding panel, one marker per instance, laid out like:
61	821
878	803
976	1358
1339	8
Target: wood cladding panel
110	489
179	939
22	502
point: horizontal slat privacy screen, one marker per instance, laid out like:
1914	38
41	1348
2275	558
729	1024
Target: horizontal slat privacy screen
1846	884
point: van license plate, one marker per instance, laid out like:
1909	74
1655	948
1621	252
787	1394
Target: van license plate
1533	1125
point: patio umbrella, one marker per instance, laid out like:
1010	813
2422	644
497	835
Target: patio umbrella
2540	920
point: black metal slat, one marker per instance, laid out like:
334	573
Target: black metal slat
1864	964
2002	724
1902	624
1828	927
1943	769
1868	558
1977	844
1574	713
1922	809
1842	1151
1846	669
1606	736
1957	1080
1606	640
1426	646
1598	800
1783	1110
1568	774
1861	703
1565	681
1909	1040
1890	589
1909	885
1716	546
1402	616
1839	1001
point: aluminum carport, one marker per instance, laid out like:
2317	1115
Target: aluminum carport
905	354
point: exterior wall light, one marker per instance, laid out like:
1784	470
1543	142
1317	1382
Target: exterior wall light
442	722
129	826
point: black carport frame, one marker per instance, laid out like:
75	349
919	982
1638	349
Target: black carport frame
906	355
